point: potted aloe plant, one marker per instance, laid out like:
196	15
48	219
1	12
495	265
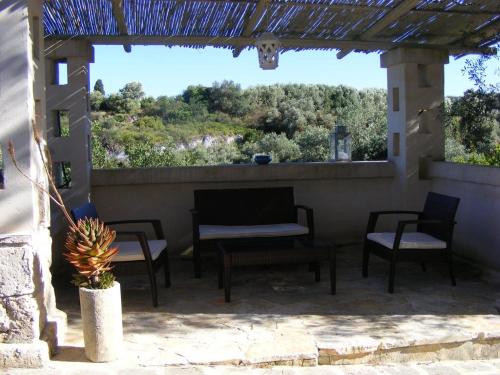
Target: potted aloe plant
88	249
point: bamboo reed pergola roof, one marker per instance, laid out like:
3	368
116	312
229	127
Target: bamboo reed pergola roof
460	26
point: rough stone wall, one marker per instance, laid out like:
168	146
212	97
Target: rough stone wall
18	310
28	315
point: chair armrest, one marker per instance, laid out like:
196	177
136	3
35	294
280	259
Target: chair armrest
310	218
392	212
143	242
403	223
154	222
373	218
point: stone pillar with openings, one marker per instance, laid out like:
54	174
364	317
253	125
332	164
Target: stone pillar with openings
68	126
30	324
415	97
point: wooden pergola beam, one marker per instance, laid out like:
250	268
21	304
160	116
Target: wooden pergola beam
287	43
404	7
361	7
117	7
251	22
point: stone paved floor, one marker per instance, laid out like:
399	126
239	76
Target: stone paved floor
279	315
491	367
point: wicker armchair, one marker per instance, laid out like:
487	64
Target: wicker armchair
432	239
153	253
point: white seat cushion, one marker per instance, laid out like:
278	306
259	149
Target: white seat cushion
131	250
410	240
210	232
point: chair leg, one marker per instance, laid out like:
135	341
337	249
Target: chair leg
220	270
166	266
366	258
450	266
152	281
424	268
392	273
317	271
333	272
227	278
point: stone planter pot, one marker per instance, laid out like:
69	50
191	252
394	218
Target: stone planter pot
102	323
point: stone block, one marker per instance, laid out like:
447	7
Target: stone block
16	266
18	322
33	355
413	56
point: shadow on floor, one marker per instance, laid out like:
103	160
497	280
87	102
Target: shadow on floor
281	312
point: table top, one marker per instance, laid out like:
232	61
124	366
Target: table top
273	244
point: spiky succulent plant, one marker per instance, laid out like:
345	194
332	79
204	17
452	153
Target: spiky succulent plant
88	250
88	241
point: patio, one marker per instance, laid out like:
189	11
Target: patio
280	316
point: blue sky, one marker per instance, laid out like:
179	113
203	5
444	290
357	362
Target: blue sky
168	71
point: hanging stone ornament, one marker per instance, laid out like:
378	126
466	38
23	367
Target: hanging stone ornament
268	46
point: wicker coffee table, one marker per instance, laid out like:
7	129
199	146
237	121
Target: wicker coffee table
247	252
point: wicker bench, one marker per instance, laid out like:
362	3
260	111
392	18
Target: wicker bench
245	213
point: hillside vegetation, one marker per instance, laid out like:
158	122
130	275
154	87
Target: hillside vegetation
225	124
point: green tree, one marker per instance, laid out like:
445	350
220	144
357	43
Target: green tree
172	110
96	100
475	69
127	101
132	90
147	155
476	122
366	118
149	106
314	143
101	158
277	145
453	150
228	97
149	123
115	103
99	86
198	94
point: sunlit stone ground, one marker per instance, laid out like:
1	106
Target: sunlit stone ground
280	316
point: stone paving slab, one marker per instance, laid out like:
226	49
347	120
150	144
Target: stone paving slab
491	367
280	316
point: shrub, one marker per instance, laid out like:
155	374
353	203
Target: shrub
314	143
277	145
146	155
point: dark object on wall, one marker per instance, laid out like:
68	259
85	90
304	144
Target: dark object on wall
262	159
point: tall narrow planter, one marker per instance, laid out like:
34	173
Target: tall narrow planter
102	323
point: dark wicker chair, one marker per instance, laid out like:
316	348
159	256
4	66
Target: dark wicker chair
431	240
153	253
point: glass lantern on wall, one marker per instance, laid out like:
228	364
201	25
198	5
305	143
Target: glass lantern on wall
340	144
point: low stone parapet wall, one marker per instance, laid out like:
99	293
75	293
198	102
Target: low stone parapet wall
341	194
477	233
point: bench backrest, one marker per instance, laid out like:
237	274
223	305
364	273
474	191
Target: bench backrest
258	206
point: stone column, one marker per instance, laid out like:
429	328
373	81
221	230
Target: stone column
69	99
28	316
415	96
